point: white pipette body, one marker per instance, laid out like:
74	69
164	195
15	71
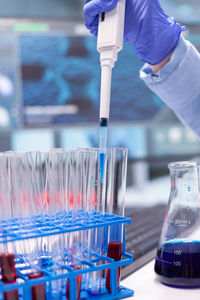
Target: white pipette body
109	43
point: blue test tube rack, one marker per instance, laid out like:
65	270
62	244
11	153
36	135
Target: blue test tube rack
13	230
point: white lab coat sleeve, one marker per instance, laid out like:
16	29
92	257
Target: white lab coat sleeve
178	83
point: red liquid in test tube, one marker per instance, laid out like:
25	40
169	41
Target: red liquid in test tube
37	291
78	285
115	252
9	274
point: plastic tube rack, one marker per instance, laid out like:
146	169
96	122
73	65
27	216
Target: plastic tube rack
14	230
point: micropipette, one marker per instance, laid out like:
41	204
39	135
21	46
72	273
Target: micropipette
109	43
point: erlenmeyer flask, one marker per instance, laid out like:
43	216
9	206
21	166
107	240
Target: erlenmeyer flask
178	256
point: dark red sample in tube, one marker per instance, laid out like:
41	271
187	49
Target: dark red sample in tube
9	274
78	284
37	291
115	252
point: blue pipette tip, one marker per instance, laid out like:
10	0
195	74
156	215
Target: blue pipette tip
102	144
102	159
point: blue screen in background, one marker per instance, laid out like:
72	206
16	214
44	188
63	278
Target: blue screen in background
61	82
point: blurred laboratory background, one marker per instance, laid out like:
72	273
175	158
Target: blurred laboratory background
49	89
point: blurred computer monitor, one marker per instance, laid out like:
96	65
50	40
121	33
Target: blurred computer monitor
61	82
53	73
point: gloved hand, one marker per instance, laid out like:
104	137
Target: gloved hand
148	28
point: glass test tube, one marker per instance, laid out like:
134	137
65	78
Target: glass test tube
37	167
96	206
70	195
44	173
64	173
7	258
75	199
115	195
78	284
55	189
8	274
72	199
23	205
22	199
26	206
37	291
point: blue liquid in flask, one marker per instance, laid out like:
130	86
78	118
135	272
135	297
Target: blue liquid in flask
178	263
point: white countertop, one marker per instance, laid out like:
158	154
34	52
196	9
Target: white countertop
147	287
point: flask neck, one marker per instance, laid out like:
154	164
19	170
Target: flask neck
183	176
185	184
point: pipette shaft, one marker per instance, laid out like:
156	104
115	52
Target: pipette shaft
109	43
106	75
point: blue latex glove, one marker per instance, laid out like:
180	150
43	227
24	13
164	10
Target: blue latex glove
148	28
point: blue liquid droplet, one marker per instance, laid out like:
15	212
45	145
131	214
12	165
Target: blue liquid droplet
102	160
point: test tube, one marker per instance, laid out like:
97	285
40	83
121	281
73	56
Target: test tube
57	181
96	198
24	203
75	198
37	166
78	284
8	274
57	193
7	258
37	291
41	162
20	198
70	201
55	162
115	196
